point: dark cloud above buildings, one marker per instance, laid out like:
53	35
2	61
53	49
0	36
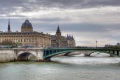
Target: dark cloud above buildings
30	5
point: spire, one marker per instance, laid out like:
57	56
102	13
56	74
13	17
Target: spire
67	35
72	37
9	26
58	30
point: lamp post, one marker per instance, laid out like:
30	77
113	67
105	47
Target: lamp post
96	44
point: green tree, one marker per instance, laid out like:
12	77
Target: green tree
7	43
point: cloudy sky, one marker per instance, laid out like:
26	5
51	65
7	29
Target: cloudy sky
87	20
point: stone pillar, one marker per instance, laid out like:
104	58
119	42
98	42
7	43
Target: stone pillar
88	53
47	59
40	55
118	53
15	55
66	54
113	52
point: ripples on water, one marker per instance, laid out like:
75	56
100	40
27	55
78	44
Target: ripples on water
77	67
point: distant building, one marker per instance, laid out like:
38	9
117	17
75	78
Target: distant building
118	44
58	40
108	45
27	37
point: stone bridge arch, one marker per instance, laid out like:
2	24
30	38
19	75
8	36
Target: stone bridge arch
25	55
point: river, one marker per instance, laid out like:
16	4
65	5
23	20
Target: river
76	67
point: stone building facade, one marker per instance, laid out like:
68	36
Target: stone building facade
27	37
58	40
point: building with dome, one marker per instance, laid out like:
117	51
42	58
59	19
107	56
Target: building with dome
27	36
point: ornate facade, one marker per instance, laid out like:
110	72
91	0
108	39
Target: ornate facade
58	40
27	37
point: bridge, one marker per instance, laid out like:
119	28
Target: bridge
45	54
48	53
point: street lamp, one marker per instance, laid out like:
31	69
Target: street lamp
96	44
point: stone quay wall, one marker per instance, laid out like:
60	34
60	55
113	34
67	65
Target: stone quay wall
7	55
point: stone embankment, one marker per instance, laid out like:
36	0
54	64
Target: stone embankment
7	56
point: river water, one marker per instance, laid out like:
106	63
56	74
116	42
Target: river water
77	67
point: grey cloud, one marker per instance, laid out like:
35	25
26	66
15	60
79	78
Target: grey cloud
50	19
7	6
78	3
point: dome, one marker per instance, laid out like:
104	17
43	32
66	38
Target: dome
26	26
